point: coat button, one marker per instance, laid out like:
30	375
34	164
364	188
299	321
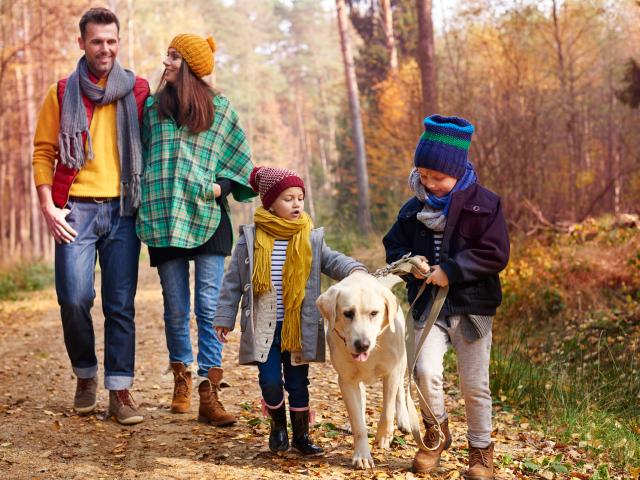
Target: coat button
247	287
476	208
423	233
247	312
246	260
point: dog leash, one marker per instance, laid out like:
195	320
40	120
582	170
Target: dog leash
407	265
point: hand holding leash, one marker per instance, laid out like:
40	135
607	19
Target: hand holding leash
437	277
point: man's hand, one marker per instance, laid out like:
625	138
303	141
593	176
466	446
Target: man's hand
59	229
438	277
221	332
217	190
58	226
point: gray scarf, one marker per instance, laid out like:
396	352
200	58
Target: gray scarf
73	123
434	219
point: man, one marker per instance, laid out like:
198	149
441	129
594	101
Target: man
87	164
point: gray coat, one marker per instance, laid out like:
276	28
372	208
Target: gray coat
258	314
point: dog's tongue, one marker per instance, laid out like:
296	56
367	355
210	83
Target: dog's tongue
360	357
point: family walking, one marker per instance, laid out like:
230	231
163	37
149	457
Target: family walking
115	165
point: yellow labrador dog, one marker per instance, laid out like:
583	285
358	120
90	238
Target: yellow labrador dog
366	341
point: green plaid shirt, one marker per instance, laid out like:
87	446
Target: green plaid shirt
178	207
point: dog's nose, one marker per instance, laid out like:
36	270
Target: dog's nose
361	345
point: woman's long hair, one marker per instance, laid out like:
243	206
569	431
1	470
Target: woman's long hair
188	101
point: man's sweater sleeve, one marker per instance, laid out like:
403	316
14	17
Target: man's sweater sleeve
45	142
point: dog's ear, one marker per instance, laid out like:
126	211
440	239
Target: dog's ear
391	304
328	305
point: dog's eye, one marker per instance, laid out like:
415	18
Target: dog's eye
349	314
374	313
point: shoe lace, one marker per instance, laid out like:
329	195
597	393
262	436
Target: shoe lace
215	391
431	436
477	455
125	398
180	388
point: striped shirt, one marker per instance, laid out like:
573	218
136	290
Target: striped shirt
278	256
437	243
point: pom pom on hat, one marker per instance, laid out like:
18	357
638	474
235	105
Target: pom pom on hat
444	145
196	51
270	182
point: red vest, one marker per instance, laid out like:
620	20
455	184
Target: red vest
63	177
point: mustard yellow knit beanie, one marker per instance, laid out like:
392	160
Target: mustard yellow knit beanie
196	51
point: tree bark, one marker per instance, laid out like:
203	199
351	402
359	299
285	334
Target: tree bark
130	35
364	214
36	240
304	147
387	25
427	58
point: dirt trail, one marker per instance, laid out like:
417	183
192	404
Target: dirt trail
41	436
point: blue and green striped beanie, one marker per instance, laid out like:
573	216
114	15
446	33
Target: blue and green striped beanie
444	145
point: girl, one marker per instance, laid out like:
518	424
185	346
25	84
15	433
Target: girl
275	275
195	154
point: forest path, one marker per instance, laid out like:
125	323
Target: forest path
42	437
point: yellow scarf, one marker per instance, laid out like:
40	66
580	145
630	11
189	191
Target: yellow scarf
296	270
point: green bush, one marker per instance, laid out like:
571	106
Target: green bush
24	277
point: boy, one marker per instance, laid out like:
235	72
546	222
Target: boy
459	227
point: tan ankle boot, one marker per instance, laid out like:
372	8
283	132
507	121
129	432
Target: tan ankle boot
426	460
480	463
211	410
182	388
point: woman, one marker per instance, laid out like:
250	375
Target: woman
195	154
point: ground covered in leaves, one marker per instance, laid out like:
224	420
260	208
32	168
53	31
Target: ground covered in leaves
41	436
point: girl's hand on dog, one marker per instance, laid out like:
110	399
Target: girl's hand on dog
221	332
438	277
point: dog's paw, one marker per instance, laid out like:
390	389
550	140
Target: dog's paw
383	440
362	460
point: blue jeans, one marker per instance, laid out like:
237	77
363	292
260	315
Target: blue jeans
102	234
174	277
296	379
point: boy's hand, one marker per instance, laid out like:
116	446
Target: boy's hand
438	277
421	270
221	332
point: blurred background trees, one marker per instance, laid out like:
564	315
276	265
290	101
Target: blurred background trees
552	88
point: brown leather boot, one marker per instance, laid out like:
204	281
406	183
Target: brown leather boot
211	410
480	463
427	460
182	388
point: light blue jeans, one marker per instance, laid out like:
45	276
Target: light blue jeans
174	277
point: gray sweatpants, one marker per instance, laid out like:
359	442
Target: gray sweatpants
473	369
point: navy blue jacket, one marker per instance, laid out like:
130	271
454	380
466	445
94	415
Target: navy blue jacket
475	248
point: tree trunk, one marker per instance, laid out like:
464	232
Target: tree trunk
364	214
387	25
130	35
36	240
327	148
427	58
304	148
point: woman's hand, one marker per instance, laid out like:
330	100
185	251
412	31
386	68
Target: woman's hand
221	332
438	277
217	190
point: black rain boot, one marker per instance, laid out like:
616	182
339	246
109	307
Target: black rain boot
278	437
301	440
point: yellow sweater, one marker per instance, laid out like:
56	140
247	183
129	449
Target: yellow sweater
99	177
